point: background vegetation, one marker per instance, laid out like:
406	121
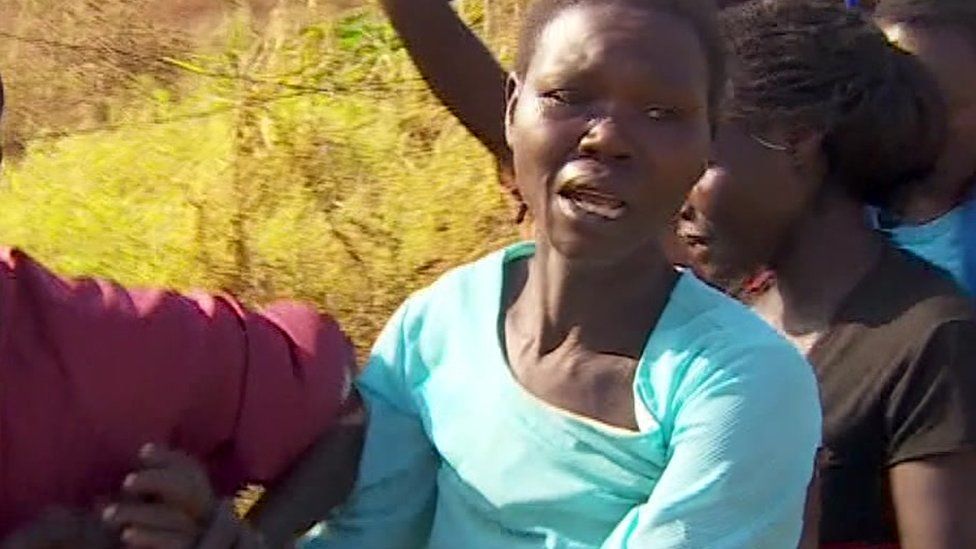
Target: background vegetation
272	148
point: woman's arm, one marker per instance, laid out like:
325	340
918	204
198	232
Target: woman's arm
934	501
318	482
460	70
743	447
931	417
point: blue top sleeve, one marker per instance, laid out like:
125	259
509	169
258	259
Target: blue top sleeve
742	451
393	503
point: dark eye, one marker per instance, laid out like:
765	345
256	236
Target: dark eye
563	97
659	112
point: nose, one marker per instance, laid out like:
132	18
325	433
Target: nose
701	196
687	211
605	139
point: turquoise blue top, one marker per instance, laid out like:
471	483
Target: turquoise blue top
948	242
459	455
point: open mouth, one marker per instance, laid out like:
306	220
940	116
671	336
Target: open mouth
692	238
582	199
692	230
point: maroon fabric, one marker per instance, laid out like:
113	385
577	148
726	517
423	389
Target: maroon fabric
90	371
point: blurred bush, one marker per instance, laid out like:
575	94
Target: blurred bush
299	158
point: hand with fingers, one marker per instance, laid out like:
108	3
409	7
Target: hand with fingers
169	504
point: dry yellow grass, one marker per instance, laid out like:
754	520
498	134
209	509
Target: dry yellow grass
299	158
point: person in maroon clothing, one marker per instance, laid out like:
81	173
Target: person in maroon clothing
91	371
825	118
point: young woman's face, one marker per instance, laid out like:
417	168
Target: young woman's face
609	128
742	210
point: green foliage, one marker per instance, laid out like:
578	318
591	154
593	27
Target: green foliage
308	162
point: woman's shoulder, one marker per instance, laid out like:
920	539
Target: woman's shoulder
477	281
905	290
461	295
714	360
717	323
706	337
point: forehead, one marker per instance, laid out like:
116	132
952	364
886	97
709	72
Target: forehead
640	42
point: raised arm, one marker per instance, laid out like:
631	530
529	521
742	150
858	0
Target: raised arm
743	451
460	70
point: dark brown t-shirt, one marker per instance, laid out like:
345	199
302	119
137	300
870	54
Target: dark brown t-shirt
898	383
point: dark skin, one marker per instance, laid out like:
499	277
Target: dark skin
613	103
469	81
757	206
635	129
950	56
801	222
165	503
572	347
317	482
933	501
168	503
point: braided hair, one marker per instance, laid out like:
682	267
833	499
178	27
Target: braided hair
700	14
815	65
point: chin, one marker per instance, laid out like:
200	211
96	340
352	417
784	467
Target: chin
599	251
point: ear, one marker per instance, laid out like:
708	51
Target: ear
513	87
806	153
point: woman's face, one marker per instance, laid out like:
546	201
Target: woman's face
743	209
950	56
609	128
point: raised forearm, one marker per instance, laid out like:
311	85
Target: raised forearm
460	70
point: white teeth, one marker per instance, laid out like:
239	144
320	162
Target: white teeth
600	210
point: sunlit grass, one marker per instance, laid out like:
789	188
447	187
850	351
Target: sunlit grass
350	199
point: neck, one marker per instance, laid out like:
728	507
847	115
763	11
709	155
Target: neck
604	307
829	254
936	196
